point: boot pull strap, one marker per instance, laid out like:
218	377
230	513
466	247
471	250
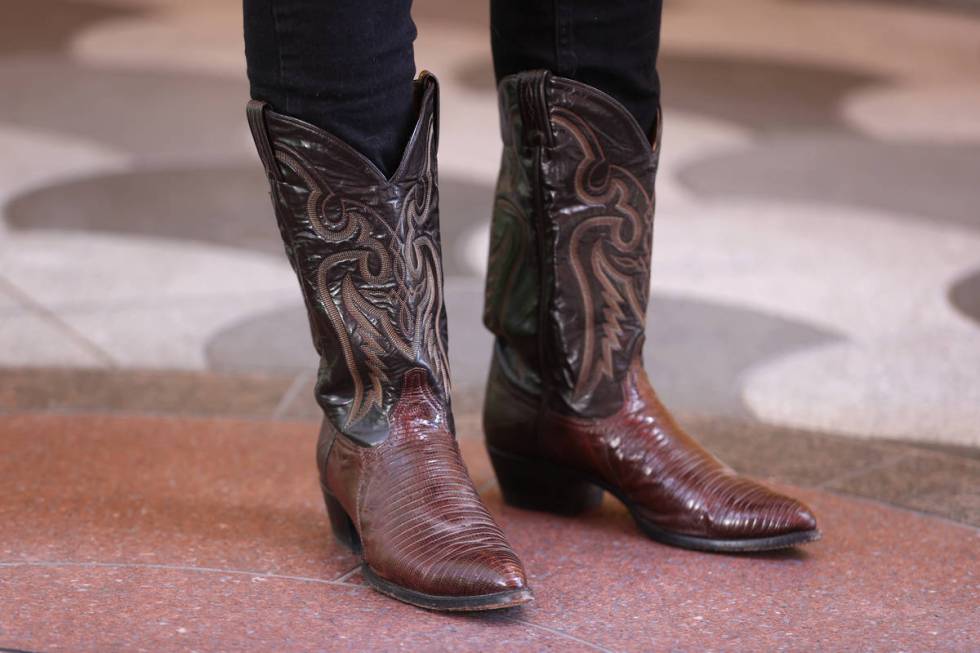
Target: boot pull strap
533	98
428	83
255	112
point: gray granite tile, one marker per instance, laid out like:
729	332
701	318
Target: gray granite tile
766	95
967	7
21	31
224	204
151	113
277	341
912	180
472	15
302	405
463	206
964	295
696	351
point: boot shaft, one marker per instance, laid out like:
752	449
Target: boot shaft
367	254
569	271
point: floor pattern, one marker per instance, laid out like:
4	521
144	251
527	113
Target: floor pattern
218	541
815	319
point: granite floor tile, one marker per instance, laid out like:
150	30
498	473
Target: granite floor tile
816	267
34	337
134	111
761	450
224	205
957	451
475	456
300	404
284	334
764	95
790	455
697	350
162	392
69	608
937	479
867	585
210	534
960	503
907	180
965	295
901	344
927	481
21	33
187	492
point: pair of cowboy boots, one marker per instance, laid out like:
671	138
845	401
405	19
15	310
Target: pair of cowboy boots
569	411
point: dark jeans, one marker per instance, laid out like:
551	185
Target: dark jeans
348	65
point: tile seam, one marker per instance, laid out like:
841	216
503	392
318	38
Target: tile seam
50	317
164	567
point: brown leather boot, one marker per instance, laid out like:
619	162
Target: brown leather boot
367	254
569	410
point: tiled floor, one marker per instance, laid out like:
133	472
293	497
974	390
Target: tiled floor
815	318
216	540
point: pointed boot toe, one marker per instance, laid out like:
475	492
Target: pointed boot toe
494	571
569	411
793	516
485	578
737	515
367	251
752	511
449	566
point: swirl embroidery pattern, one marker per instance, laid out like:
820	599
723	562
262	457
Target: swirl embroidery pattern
507	259
387	282
609	255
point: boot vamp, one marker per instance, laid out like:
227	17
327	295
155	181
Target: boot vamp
422	523
669	479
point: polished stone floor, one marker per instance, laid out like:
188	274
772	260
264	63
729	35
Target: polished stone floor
815	318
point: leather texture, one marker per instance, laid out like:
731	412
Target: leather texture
367	253
422	523
566	297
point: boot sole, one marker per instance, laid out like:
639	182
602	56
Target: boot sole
475	603
546	487
346	533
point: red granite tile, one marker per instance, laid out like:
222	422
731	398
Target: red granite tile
166	534
210	493
477	461
881	579
139	609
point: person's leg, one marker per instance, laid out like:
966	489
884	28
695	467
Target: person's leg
331	81
608	44
569	410
343	65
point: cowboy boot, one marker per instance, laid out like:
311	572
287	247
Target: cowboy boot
367	253
569	409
